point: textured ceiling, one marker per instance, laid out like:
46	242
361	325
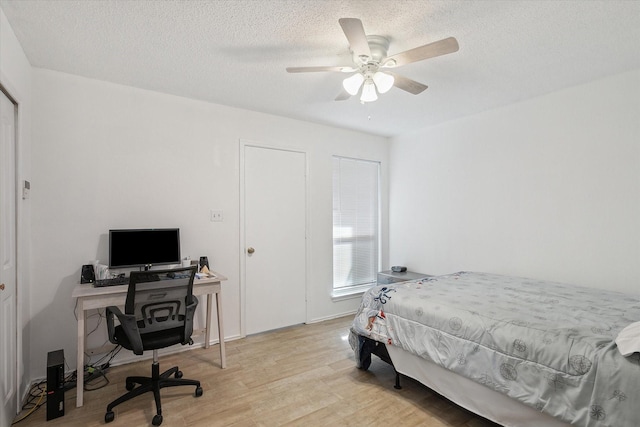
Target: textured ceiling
235	52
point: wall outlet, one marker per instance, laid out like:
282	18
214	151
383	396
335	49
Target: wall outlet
216	216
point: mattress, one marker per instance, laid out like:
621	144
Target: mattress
551	346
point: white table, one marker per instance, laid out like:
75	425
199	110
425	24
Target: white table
90	297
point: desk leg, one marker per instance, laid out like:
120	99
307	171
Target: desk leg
223	361
207	329
82	316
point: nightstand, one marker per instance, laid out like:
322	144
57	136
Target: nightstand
386	277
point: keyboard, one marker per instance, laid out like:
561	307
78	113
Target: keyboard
99	283
146	277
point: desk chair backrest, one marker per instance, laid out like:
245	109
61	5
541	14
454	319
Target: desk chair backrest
155	298
161	300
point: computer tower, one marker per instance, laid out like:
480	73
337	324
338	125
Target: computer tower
55	384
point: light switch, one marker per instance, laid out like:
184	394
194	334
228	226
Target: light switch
26	188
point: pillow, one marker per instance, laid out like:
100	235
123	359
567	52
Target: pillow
628	339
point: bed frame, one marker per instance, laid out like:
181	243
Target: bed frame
475	397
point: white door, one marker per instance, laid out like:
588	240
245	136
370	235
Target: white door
8	331
274	238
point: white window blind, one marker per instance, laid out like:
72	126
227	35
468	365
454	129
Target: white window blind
355	222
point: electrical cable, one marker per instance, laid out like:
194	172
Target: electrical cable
99	313
38	404
98	369
109	355
100	317
100	374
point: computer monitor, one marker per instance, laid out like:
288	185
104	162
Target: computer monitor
144	247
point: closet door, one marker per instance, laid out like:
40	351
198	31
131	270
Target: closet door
8	271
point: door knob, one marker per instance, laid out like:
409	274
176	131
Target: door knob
2	287
250	250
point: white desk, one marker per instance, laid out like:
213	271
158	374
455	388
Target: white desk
90	297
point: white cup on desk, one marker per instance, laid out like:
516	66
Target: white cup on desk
102	271
186	262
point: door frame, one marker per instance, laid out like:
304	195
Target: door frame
9	92
243	143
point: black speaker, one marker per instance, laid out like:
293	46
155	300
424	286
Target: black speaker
87	275
55	384
204	261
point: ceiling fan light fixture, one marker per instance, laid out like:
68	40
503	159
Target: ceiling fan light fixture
383	81
368	92
352	84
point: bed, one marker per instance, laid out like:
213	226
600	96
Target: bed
518	351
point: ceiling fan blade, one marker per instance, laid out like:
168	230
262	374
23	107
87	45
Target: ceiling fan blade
317	69
356	36
431	50
342	96
407	84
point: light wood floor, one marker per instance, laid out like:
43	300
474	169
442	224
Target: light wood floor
299	376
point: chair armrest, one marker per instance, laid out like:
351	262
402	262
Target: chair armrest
111	327
188	323
129	326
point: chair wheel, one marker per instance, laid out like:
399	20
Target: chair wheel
178	374
157	420
130	386
199	391
109	416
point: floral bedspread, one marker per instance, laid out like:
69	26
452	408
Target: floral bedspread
549	345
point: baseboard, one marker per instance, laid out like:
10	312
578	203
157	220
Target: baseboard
333	316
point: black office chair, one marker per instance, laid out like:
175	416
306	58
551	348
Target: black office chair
158	313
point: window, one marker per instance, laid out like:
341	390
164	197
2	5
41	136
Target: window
356	224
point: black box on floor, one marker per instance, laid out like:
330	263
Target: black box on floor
55	384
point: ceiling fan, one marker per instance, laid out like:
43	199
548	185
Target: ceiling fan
371	63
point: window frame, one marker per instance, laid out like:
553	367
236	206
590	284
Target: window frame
347	291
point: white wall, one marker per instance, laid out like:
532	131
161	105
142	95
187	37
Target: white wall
109	156
15	77
547	188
